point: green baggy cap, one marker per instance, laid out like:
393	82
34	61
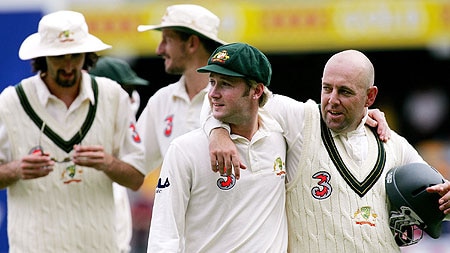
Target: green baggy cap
239	60
117	70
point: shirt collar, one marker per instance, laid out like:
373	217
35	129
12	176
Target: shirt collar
359	131
86	91
181	91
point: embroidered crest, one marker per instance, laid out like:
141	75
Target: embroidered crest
65	36
221	57
72	174
279	167
365	216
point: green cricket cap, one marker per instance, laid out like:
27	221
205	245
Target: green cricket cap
117	70
239	60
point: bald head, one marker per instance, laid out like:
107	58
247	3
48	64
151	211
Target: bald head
347	90
355	65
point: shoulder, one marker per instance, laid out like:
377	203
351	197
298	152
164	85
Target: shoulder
165	91
286	104
28	85
190	145
398	142
104	82
192	138
108	87
7	91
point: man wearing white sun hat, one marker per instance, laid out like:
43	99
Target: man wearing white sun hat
189	36
65	137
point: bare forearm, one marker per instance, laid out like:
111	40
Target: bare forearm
124	174
9	174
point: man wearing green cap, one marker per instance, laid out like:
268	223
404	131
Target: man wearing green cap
121	72
245	215
336	165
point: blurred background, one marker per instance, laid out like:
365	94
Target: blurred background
408	42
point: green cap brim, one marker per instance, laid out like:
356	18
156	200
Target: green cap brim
219	70
136	81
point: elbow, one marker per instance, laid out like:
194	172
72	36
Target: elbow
138	182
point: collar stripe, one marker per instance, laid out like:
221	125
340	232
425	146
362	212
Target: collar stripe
361	188
67	146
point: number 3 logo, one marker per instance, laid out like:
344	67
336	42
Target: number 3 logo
323	190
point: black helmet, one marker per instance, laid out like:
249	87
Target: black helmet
411	205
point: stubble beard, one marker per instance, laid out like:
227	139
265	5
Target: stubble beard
66	82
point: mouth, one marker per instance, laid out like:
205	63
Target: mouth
66	75
217	105
165	57
334	114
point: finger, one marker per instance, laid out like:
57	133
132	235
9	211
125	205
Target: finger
235	166
444	207
384	132
431	189
371	122
439	190
229	170
221	166
229	165
36	172
214	162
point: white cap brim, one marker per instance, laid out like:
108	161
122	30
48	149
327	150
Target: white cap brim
143	28
32	47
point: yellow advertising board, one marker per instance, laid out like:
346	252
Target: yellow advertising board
287	26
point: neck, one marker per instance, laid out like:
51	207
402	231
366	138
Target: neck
247	128
195	82
65	94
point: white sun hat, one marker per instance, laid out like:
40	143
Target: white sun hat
195	18
60	33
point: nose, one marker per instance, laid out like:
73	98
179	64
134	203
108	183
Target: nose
68	63
213	92
159	49
333	98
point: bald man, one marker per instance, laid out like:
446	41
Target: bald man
336	164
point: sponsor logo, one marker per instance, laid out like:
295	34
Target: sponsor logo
323	189
162	185
226	182
169	125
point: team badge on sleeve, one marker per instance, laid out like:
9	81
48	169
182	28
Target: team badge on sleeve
135	134
169	126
